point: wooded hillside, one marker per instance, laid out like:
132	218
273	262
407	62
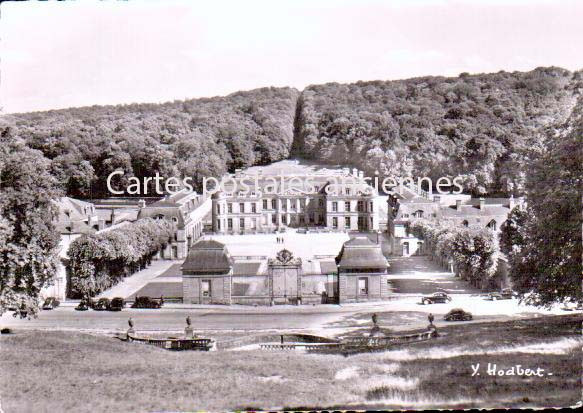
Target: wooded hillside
480	126
198	137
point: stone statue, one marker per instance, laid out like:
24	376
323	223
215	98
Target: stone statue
131	329
431	326
188	331
375	330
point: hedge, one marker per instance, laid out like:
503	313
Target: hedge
99	261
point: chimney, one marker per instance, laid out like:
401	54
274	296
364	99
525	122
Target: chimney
458	204
355	172
141	203
482	204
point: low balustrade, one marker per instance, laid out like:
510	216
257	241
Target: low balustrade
171	343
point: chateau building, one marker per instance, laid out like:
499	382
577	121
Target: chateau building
210	275
409	205
343	202
187	210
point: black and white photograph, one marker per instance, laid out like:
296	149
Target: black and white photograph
290	205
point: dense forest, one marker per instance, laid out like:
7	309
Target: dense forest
196	138
481	127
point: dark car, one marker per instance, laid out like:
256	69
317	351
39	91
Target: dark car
457	314
51	303
20	311
102	304
117	304
146	302
438	297
83	305
505	294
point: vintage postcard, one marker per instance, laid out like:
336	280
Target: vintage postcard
262	205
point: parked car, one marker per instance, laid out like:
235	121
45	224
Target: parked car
146	302
51	303
20	311
438	297
569	306
116	304
102	304
457	314
83	305
505	294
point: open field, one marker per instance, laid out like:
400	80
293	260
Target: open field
72	371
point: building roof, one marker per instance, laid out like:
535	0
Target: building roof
163	211
207	257
360	252
246	268
328	267
474	211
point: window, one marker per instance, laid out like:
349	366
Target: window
492	225
321	203
363	286
242	207
302	220
418	214
347	206
205	288
254	208
465	223
347	222
230	208
218	224
230	223
273	219
360	206
273	204
334	222
334	206
218	208
284	219
347	191
293	203
265	204
242	223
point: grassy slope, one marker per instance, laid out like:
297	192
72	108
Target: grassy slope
77	372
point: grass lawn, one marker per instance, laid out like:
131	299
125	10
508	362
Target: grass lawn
70	371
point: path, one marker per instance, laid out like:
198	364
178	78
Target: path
420	275
134	282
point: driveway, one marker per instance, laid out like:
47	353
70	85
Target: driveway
420	275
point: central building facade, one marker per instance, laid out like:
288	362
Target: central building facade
344	201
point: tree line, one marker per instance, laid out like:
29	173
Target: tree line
99	261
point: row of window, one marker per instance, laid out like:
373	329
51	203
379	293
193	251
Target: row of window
361	206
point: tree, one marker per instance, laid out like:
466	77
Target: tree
545	256
28	238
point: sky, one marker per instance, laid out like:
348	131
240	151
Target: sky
57	55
